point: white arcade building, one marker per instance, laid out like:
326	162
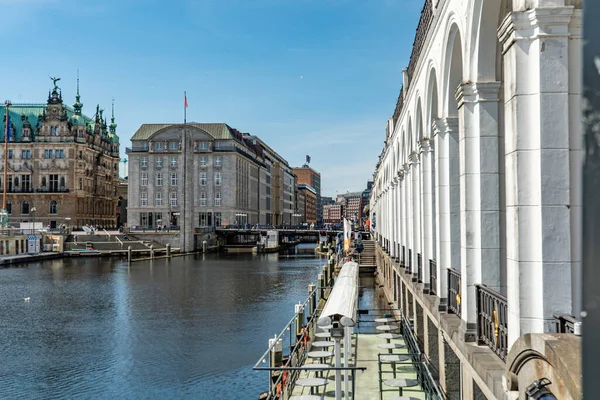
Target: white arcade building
477	200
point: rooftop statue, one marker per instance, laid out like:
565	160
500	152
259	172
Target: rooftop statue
54	80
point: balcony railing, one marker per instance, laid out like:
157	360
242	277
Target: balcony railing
565	323
454	291
419	268
45	189
403	257
410	261
492	327
420	36
432	276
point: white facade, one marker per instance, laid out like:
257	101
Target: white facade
480	171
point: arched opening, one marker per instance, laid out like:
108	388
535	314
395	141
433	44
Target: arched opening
454	79
432	115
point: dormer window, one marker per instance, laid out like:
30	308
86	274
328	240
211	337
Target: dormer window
173	146
54	131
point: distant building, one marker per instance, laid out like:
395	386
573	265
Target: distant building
312	178
326	201
332	213
62	164
121	211
353	206
187	176
310	202
279	182
299	215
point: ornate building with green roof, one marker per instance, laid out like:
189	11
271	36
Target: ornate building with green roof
62	164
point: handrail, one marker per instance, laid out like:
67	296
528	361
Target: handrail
565	323
119	240
454	298
492	320
284	330
107	234
419	268
432	276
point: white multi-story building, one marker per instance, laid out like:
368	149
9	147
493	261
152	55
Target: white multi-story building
477	196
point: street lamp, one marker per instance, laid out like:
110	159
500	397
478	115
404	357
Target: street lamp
33	210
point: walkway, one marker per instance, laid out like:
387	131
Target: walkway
367	382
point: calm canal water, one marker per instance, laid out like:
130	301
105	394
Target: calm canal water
189	327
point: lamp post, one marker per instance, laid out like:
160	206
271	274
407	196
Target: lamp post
33	210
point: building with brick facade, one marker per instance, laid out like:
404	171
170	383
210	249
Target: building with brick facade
333	213
308	176
62	164
310	203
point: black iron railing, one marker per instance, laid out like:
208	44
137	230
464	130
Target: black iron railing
403	255
432	276
410	261
419	267
399	105
492	327
565	323
420	36
454	291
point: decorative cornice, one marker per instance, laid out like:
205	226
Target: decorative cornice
535	23
445	125
425	145
477	92
414	156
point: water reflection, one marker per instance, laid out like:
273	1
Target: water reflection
98	328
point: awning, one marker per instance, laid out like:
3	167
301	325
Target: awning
367	208
343	299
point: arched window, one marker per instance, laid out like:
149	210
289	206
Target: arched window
25	207
16	181
43	181
53	207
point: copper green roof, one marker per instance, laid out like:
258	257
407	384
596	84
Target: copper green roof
19	113
217	130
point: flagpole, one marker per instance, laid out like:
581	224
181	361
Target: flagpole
184	106
7	103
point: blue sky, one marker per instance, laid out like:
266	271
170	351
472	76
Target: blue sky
317	77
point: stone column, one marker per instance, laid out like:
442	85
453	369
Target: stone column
409	210
479	195
402	211
394	252
416	198
427	199
536	84
576	158
442	128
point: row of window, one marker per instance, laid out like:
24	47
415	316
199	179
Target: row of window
173	162
48	153
173	179
51	182
25	208
151	220
158	199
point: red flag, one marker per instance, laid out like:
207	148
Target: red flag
185	99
